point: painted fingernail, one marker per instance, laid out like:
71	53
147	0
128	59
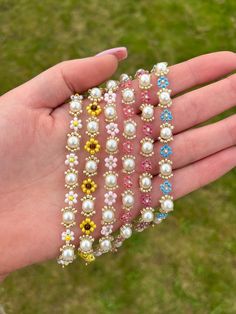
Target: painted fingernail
121	53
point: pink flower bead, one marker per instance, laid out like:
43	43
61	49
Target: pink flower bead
146	199
128	111
145	97
126	217
146	165
128	182
128	147
147	129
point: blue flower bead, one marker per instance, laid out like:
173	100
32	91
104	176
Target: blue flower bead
161	215
166	115
162	82
165	151
166	187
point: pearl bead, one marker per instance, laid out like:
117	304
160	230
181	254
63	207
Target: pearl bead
166	169
167	205
126	232
108	215
91	166
96	92
75	106
147	216
73	141
111	84
68	254
148	112
110	112
130	129
111	180
145	80
68	217
92	126
164	98
124	77
71	178
128	200
128	95
146	182
147	147
88	206
85	245
161	67
129	164
105	245
111	145
166	133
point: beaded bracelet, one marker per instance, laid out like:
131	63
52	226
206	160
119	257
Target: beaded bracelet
111	176
89	186
161	70
145	179
128	160
71	182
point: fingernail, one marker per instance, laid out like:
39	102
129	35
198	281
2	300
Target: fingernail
121	53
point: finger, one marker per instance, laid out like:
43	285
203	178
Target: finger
195	144
197	175
192	73
54	86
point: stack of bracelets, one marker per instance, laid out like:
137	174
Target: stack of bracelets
126	160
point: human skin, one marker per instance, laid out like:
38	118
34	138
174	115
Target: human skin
33	126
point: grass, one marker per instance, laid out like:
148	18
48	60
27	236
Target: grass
188	264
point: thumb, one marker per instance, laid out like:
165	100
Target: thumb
53	87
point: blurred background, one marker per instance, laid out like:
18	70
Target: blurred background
187	264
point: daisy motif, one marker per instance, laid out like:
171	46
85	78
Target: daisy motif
71	198
106	230
146	165
75	124
71	160
111	162
128	111
112	129
146	199
110	198
67	235
110	97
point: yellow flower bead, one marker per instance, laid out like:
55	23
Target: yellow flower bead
88	186
87	226
94	109
92	146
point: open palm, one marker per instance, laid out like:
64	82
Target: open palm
33	127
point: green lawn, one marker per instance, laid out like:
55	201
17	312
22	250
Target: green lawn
187	264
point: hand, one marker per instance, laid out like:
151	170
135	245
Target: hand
33	127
